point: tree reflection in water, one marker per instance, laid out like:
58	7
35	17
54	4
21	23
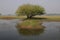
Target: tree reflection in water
30	32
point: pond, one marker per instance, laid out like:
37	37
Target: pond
8	31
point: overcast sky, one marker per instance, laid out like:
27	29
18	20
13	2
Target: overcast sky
10	6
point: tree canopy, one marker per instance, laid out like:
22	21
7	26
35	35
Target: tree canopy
30	10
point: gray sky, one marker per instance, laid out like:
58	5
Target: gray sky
10	6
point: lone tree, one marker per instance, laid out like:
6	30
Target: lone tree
30	10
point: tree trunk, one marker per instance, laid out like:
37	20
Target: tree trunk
29	16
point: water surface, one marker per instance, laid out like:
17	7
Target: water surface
8	31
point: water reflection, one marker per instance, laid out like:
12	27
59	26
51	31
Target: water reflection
8	31
30	32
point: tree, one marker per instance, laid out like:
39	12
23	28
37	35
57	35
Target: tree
30	10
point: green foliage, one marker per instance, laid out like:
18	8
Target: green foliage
31	23
30	10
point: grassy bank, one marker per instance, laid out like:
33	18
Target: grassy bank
49	18
26	17
45	18
12	17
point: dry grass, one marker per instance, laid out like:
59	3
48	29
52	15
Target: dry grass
48	18
26	17
12	17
